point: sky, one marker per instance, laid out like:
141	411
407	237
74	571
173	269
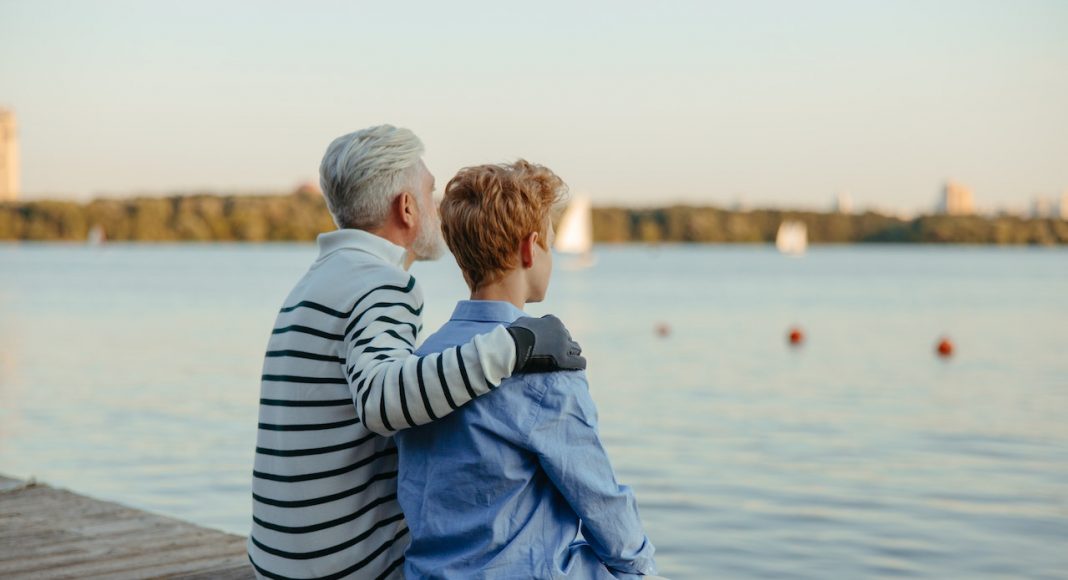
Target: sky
757	102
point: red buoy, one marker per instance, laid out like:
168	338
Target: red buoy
945	348
796	336
663	330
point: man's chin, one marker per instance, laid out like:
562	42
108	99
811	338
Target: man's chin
428	254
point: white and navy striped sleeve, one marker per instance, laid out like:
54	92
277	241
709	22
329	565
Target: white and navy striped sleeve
392	389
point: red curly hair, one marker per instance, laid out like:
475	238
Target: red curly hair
487	210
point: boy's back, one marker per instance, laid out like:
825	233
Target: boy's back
497	489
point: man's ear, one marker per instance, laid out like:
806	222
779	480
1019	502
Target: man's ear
406	210
526	249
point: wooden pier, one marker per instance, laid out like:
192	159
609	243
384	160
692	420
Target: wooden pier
53	533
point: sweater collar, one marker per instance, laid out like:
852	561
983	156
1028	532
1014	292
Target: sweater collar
352	239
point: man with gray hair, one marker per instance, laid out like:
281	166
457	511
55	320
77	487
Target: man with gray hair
339	370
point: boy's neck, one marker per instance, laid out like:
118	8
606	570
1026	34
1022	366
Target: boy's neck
508	289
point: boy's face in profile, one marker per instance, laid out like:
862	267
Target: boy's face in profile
542	267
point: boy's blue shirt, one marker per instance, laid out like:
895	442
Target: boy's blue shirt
497	489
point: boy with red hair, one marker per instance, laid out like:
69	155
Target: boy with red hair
515	484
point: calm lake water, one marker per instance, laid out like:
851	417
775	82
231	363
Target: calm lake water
132	372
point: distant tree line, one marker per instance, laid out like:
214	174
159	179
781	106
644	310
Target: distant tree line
708	224
302	215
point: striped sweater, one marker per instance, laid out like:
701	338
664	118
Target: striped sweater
338	373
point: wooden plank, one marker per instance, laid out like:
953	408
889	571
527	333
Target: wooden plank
92	549
52	533
158	560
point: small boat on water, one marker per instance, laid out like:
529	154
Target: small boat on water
792	238
575	234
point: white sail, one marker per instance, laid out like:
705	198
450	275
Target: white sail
792	237
575	235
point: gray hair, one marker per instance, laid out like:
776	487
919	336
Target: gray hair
362	172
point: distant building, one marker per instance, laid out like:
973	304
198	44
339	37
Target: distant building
9	156
843	203
1041	207
956	199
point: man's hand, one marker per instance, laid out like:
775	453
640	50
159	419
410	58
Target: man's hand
544	345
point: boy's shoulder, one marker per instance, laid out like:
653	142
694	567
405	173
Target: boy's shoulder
543	387
552	388
441	339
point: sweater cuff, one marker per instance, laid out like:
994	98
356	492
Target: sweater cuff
496	354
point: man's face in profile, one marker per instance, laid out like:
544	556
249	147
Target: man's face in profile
429	244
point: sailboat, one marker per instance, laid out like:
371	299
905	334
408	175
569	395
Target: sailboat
792	238
575	234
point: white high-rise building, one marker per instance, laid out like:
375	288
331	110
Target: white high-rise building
957	199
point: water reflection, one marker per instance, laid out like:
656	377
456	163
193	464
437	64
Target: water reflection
131	374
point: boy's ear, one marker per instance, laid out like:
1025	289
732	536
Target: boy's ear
526	249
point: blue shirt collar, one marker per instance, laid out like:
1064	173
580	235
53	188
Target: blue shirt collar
352	239
486	311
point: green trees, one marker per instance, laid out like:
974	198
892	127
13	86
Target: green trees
303	215
194	218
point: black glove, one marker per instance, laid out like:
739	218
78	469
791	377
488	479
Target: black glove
544	345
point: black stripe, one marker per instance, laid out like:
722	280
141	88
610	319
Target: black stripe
315	450
382	401
307	355
415	330
356	321
404	398
311	427
406	289
422	389
394	321
308	330
332	549
328	473
315	306
366	393
338	313
300	503
385	349
389	569
290	403
335	576
444	383
390	332
309	380
463	373
329	524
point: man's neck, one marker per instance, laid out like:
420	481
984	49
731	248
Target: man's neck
508	289
393	235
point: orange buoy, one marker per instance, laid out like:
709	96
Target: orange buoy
663	329
796	336
945	348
